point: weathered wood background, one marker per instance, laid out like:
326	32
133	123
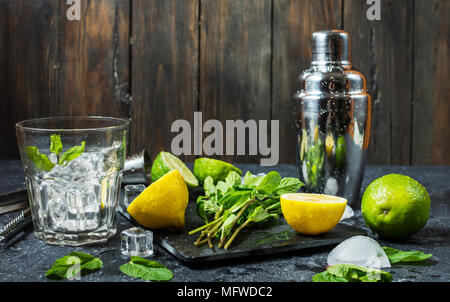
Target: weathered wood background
156	61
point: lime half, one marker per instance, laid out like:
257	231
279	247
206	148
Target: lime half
166	162
217	169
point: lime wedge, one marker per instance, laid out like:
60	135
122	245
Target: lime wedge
215	168
166	162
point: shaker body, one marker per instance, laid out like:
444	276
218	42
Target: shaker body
332	135
333	119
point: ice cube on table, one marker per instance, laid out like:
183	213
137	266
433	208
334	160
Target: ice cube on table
131	192
136	242
359	250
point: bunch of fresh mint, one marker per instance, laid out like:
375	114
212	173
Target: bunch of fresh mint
230	205
42	162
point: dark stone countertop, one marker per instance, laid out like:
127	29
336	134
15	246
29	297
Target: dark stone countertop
26	258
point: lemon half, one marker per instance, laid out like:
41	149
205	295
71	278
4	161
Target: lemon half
163	204
312	214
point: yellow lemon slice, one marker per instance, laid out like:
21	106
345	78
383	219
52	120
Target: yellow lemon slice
162	204
312	214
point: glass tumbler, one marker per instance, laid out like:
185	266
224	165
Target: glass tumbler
73	170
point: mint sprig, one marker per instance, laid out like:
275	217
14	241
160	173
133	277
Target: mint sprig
230	206
42	162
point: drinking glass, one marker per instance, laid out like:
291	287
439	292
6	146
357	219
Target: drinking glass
73	170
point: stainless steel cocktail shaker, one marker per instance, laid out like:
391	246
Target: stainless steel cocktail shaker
333	119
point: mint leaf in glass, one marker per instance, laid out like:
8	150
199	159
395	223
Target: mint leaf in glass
72	265
41	161
56	146
145	269
397	256
72	153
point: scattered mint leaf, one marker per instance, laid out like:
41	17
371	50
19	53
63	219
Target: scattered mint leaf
72	153
397	256
288	185
145	269
41	161
76	263
56	144
352	273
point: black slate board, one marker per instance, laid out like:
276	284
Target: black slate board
274	238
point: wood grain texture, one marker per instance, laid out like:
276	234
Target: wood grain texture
383	52
235	63
157	61
293	24
431	121
93	60
164	70
28	56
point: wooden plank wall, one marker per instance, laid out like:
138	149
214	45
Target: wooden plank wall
156	61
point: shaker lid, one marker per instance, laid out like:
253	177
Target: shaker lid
330	46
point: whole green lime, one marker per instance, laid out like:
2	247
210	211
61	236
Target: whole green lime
395	206
217	169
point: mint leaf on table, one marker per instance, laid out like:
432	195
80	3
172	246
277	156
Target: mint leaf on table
56	146
145	269
41	161
74	264
352	273
72	153
327	277
397	256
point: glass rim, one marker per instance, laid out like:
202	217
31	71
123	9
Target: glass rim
122	124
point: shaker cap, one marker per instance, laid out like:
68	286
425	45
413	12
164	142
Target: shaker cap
330	46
